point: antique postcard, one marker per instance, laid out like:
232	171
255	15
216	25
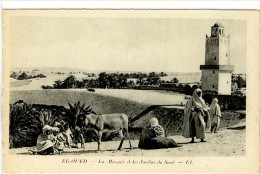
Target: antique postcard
130	91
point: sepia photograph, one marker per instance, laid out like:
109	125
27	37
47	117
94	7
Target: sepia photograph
103	85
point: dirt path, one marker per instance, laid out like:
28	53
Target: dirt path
227	142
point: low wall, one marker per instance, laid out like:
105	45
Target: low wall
172	119
181	88
227	102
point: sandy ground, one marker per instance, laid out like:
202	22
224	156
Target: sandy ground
150	97
35	83
227	142
140	96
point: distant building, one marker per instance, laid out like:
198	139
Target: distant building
216	73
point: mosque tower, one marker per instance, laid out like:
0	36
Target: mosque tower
216	73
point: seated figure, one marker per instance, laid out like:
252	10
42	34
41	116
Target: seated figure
45	142
68	136
153	137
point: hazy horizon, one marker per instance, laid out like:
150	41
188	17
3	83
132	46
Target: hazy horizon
87	70
119	44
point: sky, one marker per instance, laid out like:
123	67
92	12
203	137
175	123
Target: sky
119	44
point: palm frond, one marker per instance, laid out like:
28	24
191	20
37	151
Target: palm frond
24	125
82	108
76	109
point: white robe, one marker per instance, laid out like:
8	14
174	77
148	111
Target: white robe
215	114
194	102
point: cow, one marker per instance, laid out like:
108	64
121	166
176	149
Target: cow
108	123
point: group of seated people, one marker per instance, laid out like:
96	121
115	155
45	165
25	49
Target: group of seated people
53	139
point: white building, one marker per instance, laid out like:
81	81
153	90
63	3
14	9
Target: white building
216	73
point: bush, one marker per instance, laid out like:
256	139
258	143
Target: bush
41	76
47	87
14	75
26	122
22	76
24	126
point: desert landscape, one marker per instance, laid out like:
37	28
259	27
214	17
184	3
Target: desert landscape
96	79
132	103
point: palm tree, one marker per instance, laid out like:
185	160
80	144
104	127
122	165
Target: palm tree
140	79
77	109
153	78
24	126
175	80
70	82
103	80
48	118
57	84
22	76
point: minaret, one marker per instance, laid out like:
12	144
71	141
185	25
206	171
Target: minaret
216	73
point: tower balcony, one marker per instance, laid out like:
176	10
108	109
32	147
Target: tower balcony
228	68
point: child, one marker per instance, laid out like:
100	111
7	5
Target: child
215	115
68	135
58	140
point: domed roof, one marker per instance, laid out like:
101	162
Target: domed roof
217	24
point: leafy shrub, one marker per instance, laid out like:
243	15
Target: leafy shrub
14	75
69	82
75	110
22	76
175	80
26	122
24	126
47	87
41	75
